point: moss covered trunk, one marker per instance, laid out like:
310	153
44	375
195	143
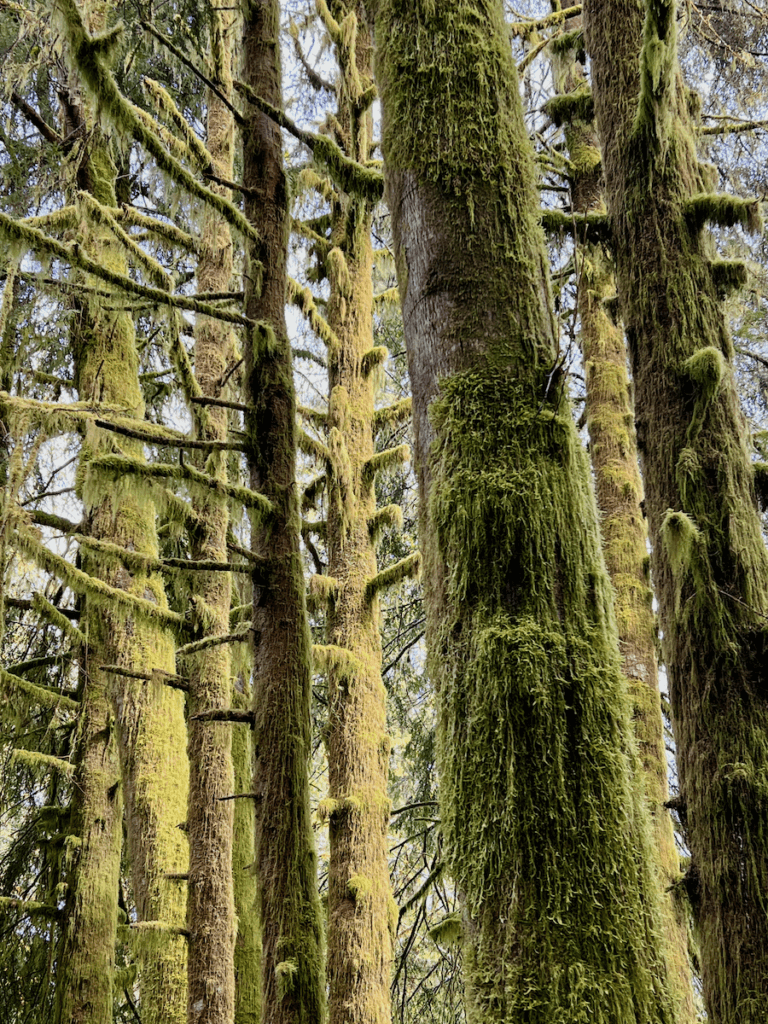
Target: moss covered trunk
293	985
709	562
149	717
619	491
84	982
545	829
210	901
359	940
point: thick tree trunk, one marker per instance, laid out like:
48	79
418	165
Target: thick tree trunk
359	898
210	901
709	562
293	984
545	831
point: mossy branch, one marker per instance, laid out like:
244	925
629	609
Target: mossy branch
59	619
304	300
233	715
30	908
322	591
213	641
121	464
386	460
571	106
151	225
729	126
725	210
312	490
73	253
350	176
592	227
373	358
104	217
221	403
388	515
328	658
392	415
156	675
46	697
84	51
168	438
40	518
164	104
209	83
34	759
523	29
389	297
406	568
316	416
729	276
311	446
137	562
98	591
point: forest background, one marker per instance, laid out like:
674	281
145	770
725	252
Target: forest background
151	179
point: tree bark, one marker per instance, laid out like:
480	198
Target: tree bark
150	724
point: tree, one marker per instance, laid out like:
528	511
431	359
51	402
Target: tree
609	416
535	746
293	981
709	559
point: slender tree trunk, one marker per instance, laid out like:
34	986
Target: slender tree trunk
248	942
544	829
709	562
359	898
293	984
149	718
210	902
619	491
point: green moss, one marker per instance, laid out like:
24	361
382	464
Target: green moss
449	931
680	536
571	106
528	669
725	210
729	276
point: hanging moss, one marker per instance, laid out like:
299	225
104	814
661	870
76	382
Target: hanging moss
537	681
725	210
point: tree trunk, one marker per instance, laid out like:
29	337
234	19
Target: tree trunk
293	984
545	831
359	898
150	720
709	562
210	902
